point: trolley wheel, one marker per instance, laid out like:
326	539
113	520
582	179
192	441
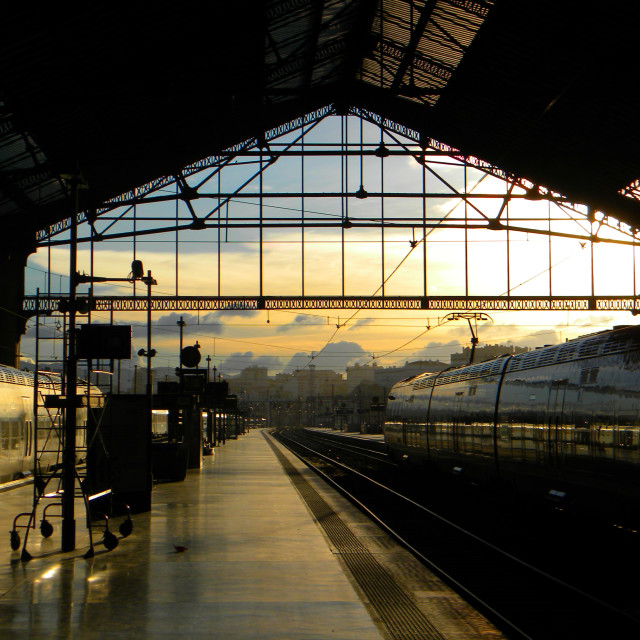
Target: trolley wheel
110	541
46	528
15	540
126	527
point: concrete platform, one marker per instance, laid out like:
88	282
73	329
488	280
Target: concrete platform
257	564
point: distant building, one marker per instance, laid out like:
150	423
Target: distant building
487	352
359	374
251	384
310	382
386	377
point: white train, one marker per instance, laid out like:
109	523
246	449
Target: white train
19	450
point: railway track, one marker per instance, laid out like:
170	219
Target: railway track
370	451
514	574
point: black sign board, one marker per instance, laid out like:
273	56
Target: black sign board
103	342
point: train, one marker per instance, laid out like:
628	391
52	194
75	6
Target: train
25	441
559	424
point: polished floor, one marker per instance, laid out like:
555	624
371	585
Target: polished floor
231	552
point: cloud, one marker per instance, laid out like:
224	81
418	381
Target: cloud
539	339
438	350
362	323
335	356
167	325
206	324
48	332
593	321
236	362
299	320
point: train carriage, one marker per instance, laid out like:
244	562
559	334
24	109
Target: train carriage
560	421
16	423
20	441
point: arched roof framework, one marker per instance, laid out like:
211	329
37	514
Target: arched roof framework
346	203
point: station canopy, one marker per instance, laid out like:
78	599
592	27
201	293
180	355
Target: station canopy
117	95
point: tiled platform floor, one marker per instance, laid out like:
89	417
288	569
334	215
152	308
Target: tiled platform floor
256	565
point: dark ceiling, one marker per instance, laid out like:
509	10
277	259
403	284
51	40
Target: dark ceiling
544	90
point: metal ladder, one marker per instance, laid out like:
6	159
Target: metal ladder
48	445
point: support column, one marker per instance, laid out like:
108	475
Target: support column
13	322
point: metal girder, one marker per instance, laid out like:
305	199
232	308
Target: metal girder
409	142
210	162
50	304
211	215
143	193
416	34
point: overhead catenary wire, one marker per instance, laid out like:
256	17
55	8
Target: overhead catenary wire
413	245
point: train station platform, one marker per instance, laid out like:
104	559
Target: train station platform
254	545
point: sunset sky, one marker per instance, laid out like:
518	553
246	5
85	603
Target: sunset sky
285	340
